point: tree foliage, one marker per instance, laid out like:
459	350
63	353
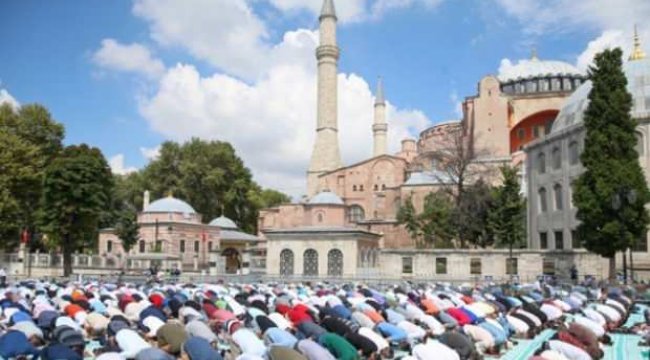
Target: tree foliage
208	175
433	226
611	165
29	140
77	188
506	219
127	229
470	218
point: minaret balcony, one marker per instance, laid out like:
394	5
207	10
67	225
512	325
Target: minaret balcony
324	51
380	127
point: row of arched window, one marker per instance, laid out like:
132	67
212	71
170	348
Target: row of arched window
376	187
310	262
574	155
541	85
557	199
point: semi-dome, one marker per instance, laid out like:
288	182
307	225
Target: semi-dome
535	68
326	198
170	205
637	72
223	222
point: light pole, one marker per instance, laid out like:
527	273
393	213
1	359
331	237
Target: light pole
629	196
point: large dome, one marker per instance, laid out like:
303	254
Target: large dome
535	68
223	222
326	198
170	205
638	84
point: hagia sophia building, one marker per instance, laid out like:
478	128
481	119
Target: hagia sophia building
347	226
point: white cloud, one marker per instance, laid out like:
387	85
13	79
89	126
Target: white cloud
117	165
133	58
608	39
346	10
227	34
457	103
612	20
381	7
270	123
354	10
150	153
6	98
539	16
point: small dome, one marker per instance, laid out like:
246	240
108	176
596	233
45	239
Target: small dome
535	68
636	71
170	205
326	198
223	222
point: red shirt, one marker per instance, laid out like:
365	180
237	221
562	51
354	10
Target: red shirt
460	316
298	315
570	339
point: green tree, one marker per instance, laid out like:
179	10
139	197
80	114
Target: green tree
470	217
268	198
209	176
407	216
127	229
29	140
508	213
433	226
612	168
436	220
77	187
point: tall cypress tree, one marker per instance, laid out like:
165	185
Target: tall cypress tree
612	192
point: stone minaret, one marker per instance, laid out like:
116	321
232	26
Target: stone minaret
379	128
145	200
326	155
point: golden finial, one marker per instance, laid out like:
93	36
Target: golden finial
533	54
170	193
637	52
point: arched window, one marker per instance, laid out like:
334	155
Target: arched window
141	246
541	163
557	158
383	186
310	263
360	187
286	262
319	217
356	213
640	145
542	201
354	188
557	194
196	246
109	246
182	246
335	262
376	187
574	154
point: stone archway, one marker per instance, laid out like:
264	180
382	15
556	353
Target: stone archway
286	262
335	262
233	260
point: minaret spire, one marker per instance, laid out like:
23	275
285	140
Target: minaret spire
637	52
326	155
379	127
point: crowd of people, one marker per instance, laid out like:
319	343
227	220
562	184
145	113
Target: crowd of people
165	321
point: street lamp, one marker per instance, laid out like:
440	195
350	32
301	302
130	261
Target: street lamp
629	196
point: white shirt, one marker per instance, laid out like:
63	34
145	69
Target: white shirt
434	350
412	331
433	324
519	325
377	339
592	325
570	351
595	316
608	311
248	342
280	321
552	312
553	355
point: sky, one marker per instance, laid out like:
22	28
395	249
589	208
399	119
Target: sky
127	75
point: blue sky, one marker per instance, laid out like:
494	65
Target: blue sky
127	75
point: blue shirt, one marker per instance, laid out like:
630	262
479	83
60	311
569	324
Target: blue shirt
15	343
277	336
498	334
341	311
394	317
391	332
